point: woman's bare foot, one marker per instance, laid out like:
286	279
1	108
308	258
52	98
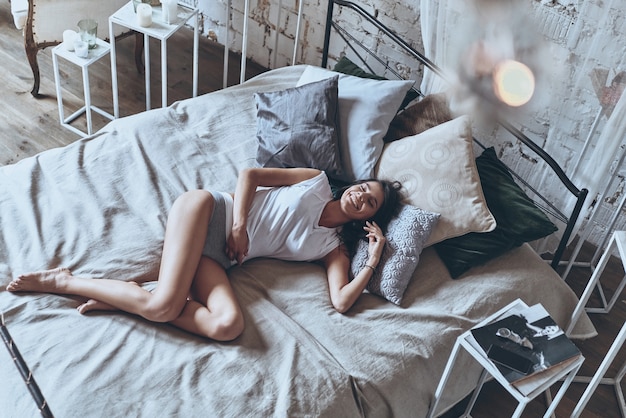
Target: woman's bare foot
49	281
95	305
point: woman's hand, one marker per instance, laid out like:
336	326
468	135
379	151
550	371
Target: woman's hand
376	242
343	291
237	245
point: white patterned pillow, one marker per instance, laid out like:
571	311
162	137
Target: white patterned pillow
438	171
406	235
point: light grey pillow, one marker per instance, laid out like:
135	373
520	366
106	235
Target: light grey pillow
366	107
296	127
406	235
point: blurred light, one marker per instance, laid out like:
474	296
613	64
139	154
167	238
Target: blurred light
498	65
513	83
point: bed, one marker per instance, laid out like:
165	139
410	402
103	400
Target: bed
99	206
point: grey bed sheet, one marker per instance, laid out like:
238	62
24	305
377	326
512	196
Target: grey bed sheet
99	206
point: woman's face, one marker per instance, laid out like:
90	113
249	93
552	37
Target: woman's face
362	201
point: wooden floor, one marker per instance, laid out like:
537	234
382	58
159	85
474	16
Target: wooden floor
29	126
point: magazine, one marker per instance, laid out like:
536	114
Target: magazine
525	343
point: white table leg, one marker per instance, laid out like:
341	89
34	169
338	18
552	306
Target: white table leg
146	47
597	377
275	52
244	42
609	227
87	91
444	380
591	285
476	392
196	42
559	395
164	73
57	82
116	106
618	240
297	37
226	51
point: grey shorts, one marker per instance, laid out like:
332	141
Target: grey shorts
219	229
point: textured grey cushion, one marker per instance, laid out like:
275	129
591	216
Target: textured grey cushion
406	236
296	127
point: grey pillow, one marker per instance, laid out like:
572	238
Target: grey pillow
366	107
406	236
296	127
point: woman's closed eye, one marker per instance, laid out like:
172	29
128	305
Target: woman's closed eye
370	200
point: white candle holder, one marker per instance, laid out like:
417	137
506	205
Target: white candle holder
81	48
170	11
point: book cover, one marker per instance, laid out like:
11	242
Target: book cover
525	343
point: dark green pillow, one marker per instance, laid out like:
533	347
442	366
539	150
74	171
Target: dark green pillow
346	66
518	220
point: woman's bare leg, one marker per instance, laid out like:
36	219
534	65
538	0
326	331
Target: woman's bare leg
96	305
61	281
214	311
184	239
220	319
223	321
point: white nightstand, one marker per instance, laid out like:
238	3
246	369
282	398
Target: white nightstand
617	241
540	383
102	48
160	30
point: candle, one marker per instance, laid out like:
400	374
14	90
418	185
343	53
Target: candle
144	15
170	11
68	39
81	48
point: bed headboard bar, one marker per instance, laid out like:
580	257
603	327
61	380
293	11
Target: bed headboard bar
351	41
363	13
579	194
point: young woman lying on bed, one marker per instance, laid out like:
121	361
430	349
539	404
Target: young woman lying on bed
288	214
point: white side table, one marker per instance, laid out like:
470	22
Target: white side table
618	241
160	30
541	384
102	48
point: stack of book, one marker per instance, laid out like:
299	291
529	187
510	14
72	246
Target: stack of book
524	344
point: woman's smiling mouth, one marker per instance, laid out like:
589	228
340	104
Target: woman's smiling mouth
354	200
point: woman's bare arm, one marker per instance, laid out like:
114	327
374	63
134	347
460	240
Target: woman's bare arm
343	292
247	182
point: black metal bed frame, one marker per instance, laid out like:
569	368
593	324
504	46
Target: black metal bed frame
580	194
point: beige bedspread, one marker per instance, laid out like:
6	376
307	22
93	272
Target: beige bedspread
99	207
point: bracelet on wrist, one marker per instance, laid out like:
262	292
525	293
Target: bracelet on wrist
370	267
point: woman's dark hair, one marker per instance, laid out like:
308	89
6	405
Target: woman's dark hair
353	231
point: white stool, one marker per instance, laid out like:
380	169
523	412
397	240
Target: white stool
102	49
618	240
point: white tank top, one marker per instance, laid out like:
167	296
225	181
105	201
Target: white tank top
283	222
